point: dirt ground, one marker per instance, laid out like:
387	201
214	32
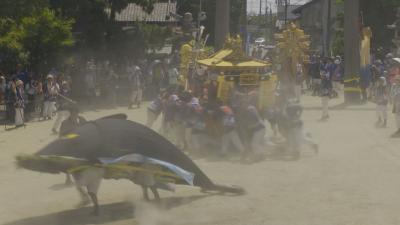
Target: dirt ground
353	181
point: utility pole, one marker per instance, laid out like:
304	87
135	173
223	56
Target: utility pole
243	25
260	8
328	30
222	22
351	51
286	12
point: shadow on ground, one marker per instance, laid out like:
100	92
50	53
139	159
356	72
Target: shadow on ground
344	107
108	213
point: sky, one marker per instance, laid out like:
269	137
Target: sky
253	6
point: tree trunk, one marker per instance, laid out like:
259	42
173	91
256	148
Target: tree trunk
351	50
221	22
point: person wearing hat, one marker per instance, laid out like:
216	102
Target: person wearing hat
136	85
19	103
396	105
337	76
169	112
51	90
63	103
73	121
181	118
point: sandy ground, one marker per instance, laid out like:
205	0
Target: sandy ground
353	181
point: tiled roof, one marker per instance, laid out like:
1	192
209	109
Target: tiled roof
135	12
290	14
300	9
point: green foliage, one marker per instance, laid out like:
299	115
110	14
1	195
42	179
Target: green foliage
18	9
154	36
378	14
97	35
43	35
338	40
338	43
375	14
9	37
11	49
31	33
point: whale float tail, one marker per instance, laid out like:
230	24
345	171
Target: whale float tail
232	189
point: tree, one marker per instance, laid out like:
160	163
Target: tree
338	40
43	35
18	9
96	32
377	14
11	50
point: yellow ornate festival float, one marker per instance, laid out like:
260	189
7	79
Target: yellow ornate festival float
293	45
352	83
235	69
189	54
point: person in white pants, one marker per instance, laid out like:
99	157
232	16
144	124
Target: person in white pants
299	82
325	92
19	103
62	112
381	99
136	84
50	90
89	178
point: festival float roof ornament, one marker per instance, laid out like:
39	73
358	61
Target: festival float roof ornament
293	45
232	57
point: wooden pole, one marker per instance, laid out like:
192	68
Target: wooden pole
351	51
221	22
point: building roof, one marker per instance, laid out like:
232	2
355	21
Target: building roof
219	61
135	13
290	14
300	8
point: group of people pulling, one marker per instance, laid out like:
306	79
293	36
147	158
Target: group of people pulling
198	122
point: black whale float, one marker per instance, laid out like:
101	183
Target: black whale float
114	136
